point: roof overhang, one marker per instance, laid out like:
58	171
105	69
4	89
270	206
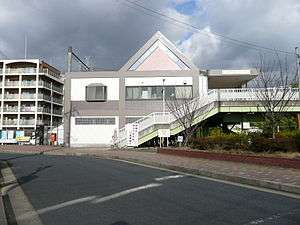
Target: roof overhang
230	78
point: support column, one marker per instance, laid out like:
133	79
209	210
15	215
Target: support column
67	111
122	93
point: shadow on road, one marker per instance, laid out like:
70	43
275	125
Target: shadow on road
120	223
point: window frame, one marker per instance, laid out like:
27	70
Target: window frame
156	86
104	99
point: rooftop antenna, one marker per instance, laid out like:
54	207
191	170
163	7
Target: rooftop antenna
25	46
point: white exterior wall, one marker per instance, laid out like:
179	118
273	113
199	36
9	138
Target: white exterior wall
157	81
203	85
78	87
92	135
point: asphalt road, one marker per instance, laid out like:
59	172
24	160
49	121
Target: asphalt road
84	190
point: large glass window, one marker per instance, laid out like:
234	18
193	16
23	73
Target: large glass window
156	92
96	92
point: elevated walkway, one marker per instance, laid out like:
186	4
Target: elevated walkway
244	100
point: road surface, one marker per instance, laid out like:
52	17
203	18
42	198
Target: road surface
85	190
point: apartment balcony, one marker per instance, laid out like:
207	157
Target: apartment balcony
27	122
58	100
11	96
58	89
10	122
11	83
28	70
10	109
28	83
44	97
57	112
28	109
28	96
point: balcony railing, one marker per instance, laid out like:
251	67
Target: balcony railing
57	112
7	121
27	109
10	109
58	100
11	96
28	96
45	84
26	121
58	89
20	70
28	83
11	83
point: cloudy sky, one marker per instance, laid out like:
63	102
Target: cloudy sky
108	32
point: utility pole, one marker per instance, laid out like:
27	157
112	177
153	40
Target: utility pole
25	46
297	67
298	74
69	59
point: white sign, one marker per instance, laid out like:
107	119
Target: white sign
132	134
180	138
164	133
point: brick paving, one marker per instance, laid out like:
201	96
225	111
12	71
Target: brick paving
274	174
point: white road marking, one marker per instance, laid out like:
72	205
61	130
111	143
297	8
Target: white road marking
126	192
287	194
169	177
92	199
65	204
56	207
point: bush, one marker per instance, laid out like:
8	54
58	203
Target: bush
285	141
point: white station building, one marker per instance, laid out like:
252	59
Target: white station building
99	104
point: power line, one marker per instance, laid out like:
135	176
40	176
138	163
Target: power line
232	40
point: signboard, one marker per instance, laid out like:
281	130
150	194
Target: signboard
132	134
4	135
180	138
23	139
10	134
20	133
164	133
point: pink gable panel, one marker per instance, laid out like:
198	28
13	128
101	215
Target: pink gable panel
158	60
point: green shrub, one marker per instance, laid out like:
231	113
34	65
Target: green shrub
256	142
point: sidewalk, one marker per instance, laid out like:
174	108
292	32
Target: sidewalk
277	178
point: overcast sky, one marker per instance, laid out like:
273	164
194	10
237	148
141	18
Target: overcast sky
110	31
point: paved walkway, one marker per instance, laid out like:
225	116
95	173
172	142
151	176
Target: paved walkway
243	171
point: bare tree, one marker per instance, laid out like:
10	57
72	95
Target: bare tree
184	108
274	88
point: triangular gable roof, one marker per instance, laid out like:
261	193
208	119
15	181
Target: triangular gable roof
150	48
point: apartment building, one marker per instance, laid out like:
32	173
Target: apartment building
99	105
31	97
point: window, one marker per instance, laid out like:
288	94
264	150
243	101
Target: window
156	92
96	92
95	121
131	119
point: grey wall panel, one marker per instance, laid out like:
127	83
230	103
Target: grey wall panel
137	108
109	108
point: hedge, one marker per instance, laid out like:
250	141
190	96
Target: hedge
253	142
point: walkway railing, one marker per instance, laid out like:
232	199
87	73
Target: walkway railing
215	95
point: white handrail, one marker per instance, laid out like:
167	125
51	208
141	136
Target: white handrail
234	94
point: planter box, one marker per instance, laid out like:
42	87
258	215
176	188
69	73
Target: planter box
262	160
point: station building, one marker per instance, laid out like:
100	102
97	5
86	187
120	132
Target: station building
99	103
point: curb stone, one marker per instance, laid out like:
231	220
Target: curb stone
3	219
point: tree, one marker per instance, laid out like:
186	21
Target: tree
184	108
275	92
